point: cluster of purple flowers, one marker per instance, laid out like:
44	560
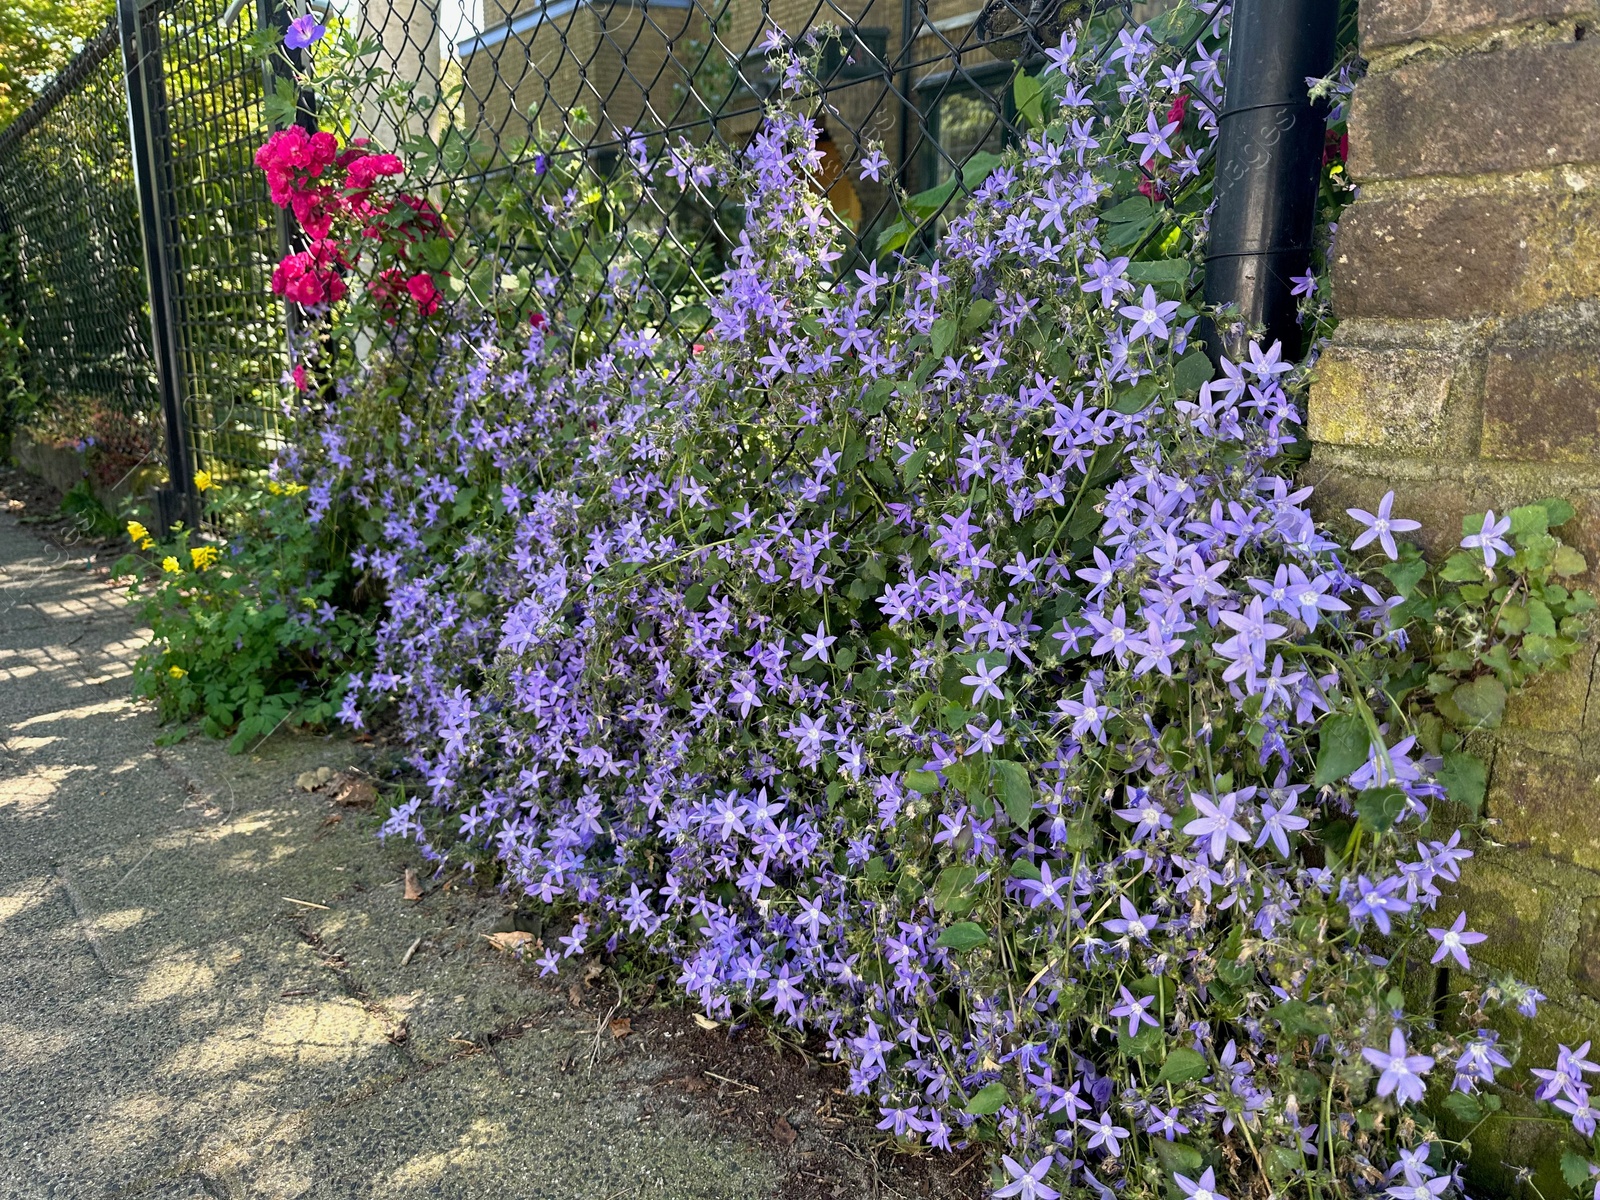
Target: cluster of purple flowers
931	658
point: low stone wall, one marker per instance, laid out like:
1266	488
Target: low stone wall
1466	375
63	467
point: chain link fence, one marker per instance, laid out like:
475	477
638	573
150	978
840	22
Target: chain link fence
154	126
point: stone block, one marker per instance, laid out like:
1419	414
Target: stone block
1508	905
1522	108
1450	492
1555	703
1583	964
1458	251
1364	396
1541	398
1546	802
1394	22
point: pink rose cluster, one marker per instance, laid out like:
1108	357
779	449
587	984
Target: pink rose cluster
341	201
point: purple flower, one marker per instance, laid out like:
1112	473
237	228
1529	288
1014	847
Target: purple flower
1277	823
1027	1183
1131	924
873	164
1455	940
817	643
1203	1189
1136	1009
1045	890
1149	316
1105	1134
1381	527
1217	823
1490	539
303	31
982	682
1402	1070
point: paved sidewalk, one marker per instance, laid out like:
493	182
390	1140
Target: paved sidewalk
171	1027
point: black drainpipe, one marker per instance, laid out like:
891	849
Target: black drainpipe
1269	158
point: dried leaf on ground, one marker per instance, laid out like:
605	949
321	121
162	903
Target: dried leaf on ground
621	1027
510	940
706	1022
783	1131
356	793
413	887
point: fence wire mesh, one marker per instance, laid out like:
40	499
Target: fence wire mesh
71	265
515	107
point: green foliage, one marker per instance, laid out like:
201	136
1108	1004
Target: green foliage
37	39
1484	632
255	633
17	402
89	513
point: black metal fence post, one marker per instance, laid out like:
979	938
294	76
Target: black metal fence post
1269	153
151	145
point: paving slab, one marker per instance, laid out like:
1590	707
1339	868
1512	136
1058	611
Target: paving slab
205	987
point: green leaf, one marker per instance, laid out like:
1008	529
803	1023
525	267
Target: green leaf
1557	511
1540	622
1167	275
1137	398
1194	370
943	335
1465	778
1380	808
1463	1107
988	1099
1016	791
1574	1168
1023	869
1462	567
922	781
1178	1158
1568	562
1343	745
1298	1017
895	236
1029	95
1482	701
1182	1065
963	935
1131	210
1405	575
952	891
912	467
1530	520
977	168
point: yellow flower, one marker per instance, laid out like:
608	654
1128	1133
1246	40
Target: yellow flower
293	489
170	565
275	488
138	532
148	544
202	480
203	556
176	672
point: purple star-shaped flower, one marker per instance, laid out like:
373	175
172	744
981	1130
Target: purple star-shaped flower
1402	1070
1455	940
1381	527
1027	1183
1490	539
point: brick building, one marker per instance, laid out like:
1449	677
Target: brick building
1465	375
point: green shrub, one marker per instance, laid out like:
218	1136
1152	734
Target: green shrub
253	632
